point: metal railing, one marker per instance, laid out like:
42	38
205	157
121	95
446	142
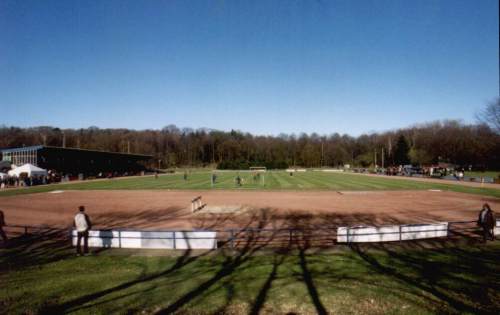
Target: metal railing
17	229
236	237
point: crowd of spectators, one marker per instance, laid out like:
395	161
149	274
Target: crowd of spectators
53	176
24	180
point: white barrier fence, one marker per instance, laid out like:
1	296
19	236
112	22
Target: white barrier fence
151	239
362	234
208	239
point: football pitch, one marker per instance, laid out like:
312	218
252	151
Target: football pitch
272	180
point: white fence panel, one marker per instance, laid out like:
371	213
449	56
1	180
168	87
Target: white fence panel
195	240
150	239
367	234
157	240
420	231
361	234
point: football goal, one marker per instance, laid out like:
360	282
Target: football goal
258	168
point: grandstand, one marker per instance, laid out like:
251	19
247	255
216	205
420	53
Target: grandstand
75	160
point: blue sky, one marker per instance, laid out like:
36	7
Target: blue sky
264	67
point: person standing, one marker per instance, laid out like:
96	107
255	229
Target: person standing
486	220
2	224
82	225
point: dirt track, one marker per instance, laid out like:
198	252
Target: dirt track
171	209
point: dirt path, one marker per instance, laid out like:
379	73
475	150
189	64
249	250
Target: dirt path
171	209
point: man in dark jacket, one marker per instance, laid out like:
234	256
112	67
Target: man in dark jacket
486	220
2	224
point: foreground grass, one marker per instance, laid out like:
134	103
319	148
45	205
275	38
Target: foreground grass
269	181
375	280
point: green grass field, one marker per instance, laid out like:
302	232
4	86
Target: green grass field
269	181
369	280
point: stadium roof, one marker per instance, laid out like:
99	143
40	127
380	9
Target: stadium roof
39	147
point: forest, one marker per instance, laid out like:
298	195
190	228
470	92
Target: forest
476	145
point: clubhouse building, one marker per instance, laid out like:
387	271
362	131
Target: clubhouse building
77	161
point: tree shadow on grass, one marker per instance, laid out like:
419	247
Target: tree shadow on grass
308	280
87	301
230	264
38	248
79	303
447	281
307	277
278	259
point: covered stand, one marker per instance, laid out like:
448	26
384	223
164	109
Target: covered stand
29	169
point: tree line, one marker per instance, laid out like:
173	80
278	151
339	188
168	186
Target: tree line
442	141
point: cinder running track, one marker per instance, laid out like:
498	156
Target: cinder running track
161	209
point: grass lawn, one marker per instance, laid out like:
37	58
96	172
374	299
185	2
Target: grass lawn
269	181
378	279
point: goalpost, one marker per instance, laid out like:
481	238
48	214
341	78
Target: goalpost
258	168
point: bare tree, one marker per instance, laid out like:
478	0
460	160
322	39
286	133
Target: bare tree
453	141
491	115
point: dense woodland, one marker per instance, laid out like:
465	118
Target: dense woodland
447	141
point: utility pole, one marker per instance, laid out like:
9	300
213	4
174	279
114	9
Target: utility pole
63	139
389	144
382	157
375	157
128	146
213	152
322	154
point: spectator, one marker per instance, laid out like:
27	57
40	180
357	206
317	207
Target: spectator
2	224
486	220
82	225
